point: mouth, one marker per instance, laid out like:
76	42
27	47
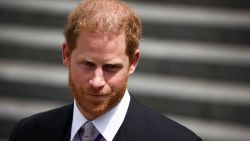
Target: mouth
98	95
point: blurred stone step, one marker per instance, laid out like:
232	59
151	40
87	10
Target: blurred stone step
149	12
13	109
166	57
229	4
175	95
211	130
195	23
192	59
28	43
177	22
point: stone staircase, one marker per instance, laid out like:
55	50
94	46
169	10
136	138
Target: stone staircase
195	62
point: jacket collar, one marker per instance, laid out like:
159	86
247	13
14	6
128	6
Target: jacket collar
58	123
135	119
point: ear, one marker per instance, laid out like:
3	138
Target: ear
65	54
134	61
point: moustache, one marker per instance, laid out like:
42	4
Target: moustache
100	92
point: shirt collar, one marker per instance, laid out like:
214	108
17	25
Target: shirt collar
107	124
77	121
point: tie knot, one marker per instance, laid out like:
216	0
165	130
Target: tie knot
88	132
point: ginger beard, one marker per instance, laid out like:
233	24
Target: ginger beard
95	106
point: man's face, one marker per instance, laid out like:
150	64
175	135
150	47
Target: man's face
98	71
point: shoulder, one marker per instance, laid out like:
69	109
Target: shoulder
166	128
161	127
47	116
38	124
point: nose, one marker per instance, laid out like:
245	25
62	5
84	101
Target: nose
97	81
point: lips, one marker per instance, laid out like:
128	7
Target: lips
98	95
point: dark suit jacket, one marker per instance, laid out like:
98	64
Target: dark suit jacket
140	124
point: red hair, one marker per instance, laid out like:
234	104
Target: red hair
105	17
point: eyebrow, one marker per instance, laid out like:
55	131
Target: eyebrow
109	62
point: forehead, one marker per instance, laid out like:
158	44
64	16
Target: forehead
101	46
102	42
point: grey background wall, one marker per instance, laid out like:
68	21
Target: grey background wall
195	62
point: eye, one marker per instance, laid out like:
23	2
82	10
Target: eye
112	67
88	64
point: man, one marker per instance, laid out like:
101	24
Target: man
101	52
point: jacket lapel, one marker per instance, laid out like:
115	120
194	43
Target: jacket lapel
133	127
58	127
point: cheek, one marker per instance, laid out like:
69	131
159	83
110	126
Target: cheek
118	80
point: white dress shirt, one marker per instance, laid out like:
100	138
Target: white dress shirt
107	124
